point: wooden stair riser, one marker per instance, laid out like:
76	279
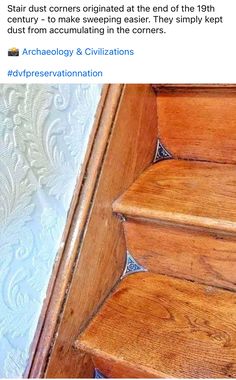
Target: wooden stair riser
198	124
192	254
113	369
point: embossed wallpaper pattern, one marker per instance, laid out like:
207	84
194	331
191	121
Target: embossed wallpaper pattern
44	131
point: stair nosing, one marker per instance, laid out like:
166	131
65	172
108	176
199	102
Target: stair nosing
180	221
98	352
173	217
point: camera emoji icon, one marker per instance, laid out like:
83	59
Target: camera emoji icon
13	52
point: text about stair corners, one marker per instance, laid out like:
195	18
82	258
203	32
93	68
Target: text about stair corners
125	19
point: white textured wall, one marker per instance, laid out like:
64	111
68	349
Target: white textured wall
44	131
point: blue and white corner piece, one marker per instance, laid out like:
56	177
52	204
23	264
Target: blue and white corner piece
161	153
132	266
98	374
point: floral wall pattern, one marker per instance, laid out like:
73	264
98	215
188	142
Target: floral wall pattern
44	131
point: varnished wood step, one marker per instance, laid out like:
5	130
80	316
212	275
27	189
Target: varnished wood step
203	256
157	326
198	122
192	193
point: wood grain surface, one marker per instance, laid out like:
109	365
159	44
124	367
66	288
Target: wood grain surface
205	257
166	327
193	87
199	125
183	192
114	369
130	150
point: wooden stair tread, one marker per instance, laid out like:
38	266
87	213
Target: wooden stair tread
165	327
193	193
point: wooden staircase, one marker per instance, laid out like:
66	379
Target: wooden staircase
177	318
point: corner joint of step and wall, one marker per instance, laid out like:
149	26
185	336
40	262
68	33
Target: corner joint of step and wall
161	153
132	266
98	374
122	218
